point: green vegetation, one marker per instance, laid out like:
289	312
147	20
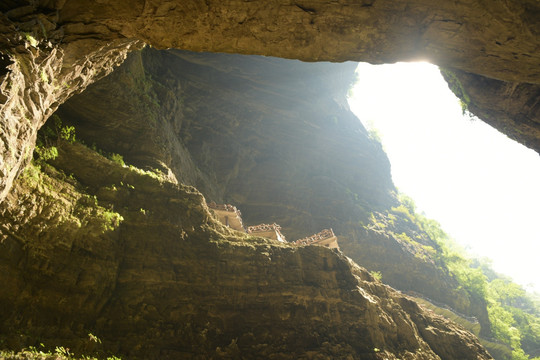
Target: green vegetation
514	316
355	79
112	220
49	137
31	39
42	176
86	212
46	153
455	85
59	353
375	135
513	313
156	174
54	132
457	88
44	76
88	206
31	173
376	274
117	158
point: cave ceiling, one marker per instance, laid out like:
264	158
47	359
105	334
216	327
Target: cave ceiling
52	49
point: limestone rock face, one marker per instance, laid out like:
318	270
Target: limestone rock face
39	70
165	280
139	261
274	137
142	230
57	48
407	268
513	108
474	36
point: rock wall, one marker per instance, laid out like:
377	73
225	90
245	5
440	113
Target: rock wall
52	49
513	108
481	37
58	47
161	279
274	137
40	69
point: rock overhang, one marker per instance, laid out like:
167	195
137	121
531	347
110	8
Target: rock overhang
491	47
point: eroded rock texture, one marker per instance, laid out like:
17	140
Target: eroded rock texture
161	279
41	67
276	132
511	107
276	138
74	263
83	39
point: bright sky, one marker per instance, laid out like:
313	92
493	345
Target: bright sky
481	186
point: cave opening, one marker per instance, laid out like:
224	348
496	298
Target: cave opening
167	316
283	121
460	171
478	183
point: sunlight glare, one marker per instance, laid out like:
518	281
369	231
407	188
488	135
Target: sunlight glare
480	185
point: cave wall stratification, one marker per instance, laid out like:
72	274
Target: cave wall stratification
174	283
51	50
274	137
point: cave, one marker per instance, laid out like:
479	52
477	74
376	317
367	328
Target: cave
133	253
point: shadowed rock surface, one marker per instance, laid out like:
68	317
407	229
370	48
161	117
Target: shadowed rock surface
276	138
123	253
273	136
267	134
162	279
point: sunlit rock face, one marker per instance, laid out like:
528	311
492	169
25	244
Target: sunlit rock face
40	67
52	49
274	137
